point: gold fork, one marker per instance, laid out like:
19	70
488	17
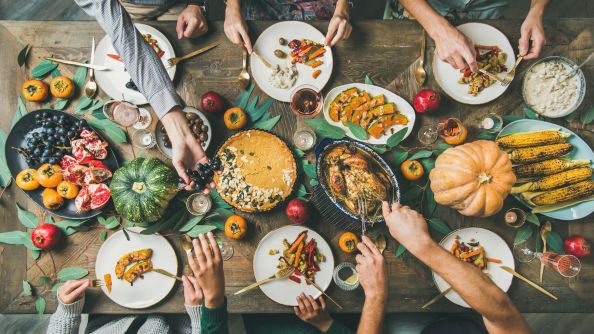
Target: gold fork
187	246
491	75
174	61
511	74
97	283
362	208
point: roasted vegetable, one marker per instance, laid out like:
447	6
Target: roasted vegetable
548	167
139	255
539	153
555	181
570	193
138	269
535	138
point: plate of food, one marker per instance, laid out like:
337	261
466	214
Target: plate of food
199	125
378	111
553	166
293	246
494	54
117	82
481	248
350	170
128	265
258	171
290	54
61	163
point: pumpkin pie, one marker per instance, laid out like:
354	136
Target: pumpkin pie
258	171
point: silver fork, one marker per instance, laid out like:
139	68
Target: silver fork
511	74
362	207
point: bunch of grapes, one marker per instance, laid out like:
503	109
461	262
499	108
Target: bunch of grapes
203	173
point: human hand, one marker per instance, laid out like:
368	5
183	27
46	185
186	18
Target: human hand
208	269
191	22
193	295
339	28
455	48
315	314
372	270
532	37
236	29
405	225
73	290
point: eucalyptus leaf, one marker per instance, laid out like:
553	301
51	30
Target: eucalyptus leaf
44	280
55	73
511	118
398	157
555	242
57	286
68	226
396	138
5	176
301	191
587	115
35	254
421	154
60	104
440	148
27	290
261	110
524	233
98	104
530	113
49	220
83	103
252	105
267	124
400	250
368	80
79	77
217	222
299	153
310	170
325	129
26	218
243	98
72	273
102	236
439	225
27	242
381	149
200	229
13	238
357	130
218	200
191	223
428	164
532	218
44	68
40	306
223	212
22	57
20	112
313	182
486	135
412	194
429	200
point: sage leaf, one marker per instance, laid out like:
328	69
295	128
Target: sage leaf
587	115
79	77
40	306
55	73
243	98
325	129
400	250
82	104
524	233
368	80
396	138
381	149
35	254
421	154
5	176
71	273
428	164
429	200
310	170
313	182
102	236
27	291
57	286
511	118
191	223
27	242
301	191
26	218
20	112
13	238
486	135
44	68
555	242
60	104
22	57
357	130
398	157
530	113
532	218
200	229
268	124
439	225
44	280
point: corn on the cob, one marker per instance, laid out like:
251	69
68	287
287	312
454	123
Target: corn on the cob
570	193
539	153
536	138
548	167
555	181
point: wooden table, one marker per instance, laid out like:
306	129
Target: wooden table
385	50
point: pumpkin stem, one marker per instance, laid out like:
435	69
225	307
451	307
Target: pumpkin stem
484	178
139	187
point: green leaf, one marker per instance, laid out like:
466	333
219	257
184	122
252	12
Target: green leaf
412	194
398	157
98	104
298	153
587	115
71	273
325	129
268	124
57	286
486	135
102	236
191	223
27	291
44	68
200	229
532	218
439	225
27	242
218	200
530	113
555	242
40	306
217	222
357	130
252	105
396	138
301	191
44	280
511	118
68	226
421	154
400	250
428	164
313	182
440	148
79	78
60	104
243	98
13	238
368	80
116	133
20	112
27	218
22	57
524	233
381	149
429	200
56	73
110	222
224	212
5	176
83	103
261	110
35	254
310	170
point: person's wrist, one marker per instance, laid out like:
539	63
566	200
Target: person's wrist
377	297
324	325
418	244
214	300
439	29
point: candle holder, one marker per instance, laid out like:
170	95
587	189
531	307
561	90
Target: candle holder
143	139
491	123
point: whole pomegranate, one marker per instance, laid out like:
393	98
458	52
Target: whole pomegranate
577	245
298	211
46	236
426	101
212	102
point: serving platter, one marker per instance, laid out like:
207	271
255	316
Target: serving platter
16	163
495	247
581	151
285	291
147	290
447	76
113	82
267	42
401	104
159	133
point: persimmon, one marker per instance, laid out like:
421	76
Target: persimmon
51	199
27	179
34	90
49	176
412	170
452	131
348	242
235	118
62	87
235	227
67	189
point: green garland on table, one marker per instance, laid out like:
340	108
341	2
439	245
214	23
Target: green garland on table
259	116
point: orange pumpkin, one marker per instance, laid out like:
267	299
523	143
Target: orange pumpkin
473	178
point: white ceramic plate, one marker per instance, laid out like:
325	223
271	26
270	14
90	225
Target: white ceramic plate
113	82
447	76
145	291
403	107
285	292
267	42
494	246
159	134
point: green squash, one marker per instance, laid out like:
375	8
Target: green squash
142	189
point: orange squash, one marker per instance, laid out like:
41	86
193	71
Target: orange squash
377	128
336	105
384	109
357	101
473	178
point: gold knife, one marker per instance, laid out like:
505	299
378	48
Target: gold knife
166	273
70	62
438	297
281	274
322	291
532	284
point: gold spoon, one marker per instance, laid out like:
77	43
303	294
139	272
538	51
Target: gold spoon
546	228
91	86
244	76
420	74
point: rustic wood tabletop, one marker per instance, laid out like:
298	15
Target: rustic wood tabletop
384	50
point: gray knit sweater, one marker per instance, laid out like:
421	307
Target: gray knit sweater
66	320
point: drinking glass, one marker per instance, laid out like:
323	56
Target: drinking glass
565	265
428	134
306	101
226	248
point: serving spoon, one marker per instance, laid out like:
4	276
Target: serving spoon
420	74
244	75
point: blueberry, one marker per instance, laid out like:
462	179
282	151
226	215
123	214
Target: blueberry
46	153
55	118
208	174
37	152
53	160
45	114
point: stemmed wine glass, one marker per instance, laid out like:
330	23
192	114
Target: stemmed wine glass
225	247
566	265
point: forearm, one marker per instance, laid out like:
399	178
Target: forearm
537	8
66	319
195	312
141	62
372	315
214	320
431	21
234	5
342	8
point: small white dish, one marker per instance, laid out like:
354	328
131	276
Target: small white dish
159	133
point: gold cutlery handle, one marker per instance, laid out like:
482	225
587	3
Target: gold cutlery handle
532	284
168	274
199	51
255	285
322	291
438	297
423	46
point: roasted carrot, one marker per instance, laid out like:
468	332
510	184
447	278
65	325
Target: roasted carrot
305	51
493	260
317	53
454	246
297	242
470	254
316	73
316	63
298	254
